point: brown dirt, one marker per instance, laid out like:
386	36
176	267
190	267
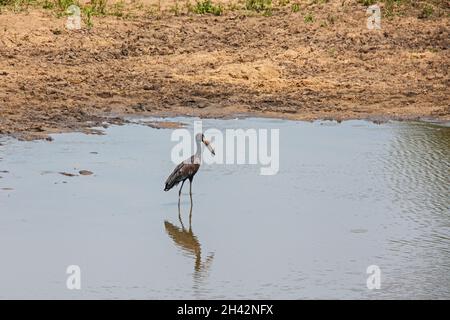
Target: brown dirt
54	80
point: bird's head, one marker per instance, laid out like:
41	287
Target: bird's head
201	137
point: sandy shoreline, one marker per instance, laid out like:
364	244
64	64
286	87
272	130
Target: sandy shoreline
55	80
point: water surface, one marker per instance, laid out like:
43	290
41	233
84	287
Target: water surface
347	196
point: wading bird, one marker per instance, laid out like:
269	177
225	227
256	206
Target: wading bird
189	167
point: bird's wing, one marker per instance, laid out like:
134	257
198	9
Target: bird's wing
179	174
175	174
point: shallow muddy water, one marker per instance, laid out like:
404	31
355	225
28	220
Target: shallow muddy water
346	196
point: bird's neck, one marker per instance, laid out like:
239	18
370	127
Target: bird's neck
198	152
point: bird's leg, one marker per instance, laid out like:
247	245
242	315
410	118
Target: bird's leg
179	192
179	215
190	187
190	213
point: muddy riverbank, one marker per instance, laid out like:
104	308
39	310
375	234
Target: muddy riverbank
318	63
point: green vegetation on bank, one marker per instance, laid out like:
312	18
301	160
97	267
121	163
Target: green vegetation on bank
423	9
426	8
206	7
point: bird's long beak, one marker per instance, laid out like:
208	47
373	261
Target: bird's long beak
208	145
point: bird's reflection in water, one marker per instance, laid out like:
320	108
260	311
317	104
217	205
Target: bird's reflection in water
186	240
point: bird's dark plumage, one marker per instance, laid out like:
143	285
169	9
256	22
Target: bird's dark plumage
185	170
188	168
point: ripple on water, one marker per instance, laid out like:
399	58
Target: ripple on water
347	196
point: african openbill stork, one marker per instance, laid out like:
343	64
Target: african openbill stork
189	167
